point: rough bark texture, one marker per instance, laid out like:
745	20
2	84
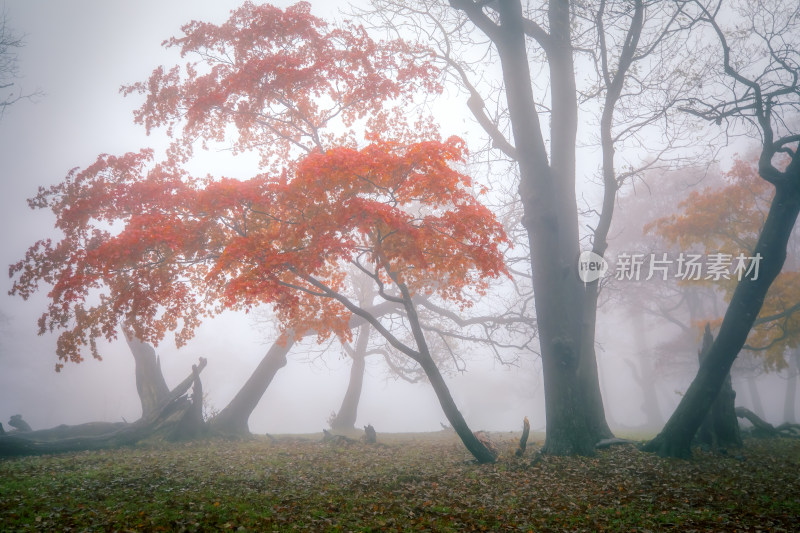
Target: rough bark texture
565	317
720	429
676	437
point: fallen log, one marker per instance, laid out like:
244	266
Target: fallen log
761	426
14	445
103	435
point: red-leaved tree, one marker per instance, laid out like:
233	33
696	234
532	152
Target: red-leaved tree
151	245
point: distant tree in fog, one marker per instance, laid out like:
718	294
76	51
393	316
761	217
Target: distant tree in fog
727	219
10	92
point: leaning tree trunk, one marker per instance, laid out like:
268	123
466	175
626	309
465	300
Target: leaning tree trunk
676	437
478	450
232	420
720	429
345	419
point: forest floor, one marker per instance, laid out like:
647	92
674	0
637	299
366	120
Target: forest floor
420	482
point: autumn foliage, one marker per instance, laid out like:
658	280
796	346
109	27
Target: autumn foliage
728	219
152	246
349	176
288	83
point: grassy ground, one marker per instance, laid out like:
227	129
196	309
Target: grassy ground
405	483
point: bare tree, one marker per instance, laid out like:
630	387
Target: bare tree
756	92
10	91
517	65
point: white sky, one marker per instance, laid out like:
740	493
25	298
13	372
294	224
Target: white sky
79	53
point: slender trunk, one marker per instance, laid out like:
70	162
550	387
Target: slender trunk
755	396
644	374
791	388
233	418
423	356
451	411
676	437
345	419
614	81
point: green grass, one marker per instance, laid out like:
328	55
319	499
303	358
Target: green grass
406	483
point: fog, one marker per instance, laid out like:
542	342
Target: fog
78	54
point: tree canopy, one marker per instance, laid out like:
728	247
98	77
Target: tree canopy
726	220
148	244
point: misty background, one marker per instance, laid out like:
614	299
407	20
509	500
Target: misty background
78	54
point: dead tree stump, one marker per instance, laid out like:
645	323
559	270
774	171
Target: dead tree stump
370	437
523	440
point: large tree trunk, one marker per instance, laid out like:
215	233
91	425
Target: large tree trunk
565	309
676	437
232	420
345	419
547	190
720	429
150	383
